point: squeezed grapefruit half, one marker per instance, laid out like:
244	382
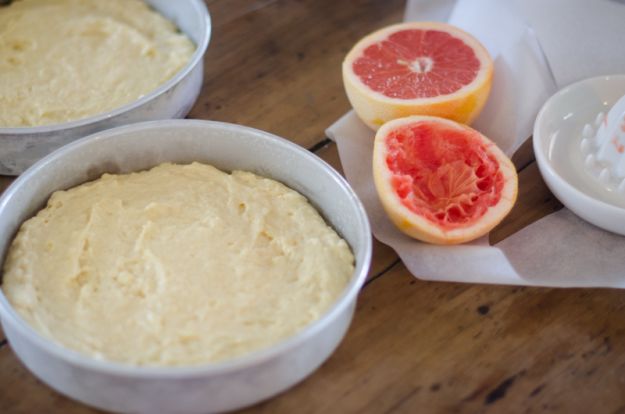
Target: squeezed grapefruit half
440	181
419	68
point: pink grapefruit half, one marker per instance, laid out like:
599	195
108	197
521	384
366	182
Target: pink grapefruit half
441	181
419	68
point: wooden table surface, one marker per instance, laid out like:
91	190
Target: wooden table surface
413	346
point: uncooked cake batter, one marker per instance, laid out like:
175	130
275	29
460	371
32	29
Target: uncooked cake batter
179	265
62	60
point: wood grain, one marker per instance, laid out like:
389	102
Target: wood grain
275	65
446	347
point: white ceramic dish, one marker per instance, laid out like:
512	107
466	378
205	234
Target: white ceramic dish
201	389
21	147
558	133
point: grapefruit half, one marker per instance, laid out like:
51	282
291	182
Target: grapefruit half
419	68
441	181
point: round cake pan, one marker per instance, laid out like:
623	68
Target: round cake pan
198	389
21	147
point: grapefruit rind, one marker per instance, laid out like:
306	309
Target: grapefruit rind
375	108
421	228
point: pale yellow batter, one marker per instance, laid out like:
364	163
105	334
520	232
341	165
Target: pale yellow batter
62	60
179	265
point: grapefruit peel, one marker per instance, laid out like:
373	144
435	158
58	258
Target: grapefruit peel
438	205
375	108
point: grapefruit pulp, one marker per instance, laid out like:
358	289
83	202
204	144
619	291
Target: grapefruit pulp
418	68
440	181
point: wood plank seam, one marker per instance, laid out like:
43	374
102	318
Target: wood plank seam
382	272
320	145
524	166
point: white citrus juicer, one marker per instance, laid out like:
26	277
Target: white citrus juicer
603	148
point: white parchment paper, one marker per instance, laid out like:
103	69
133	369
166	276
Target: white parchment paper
538	46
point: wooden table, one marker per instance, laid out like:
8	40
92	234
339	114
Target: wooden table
414	346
